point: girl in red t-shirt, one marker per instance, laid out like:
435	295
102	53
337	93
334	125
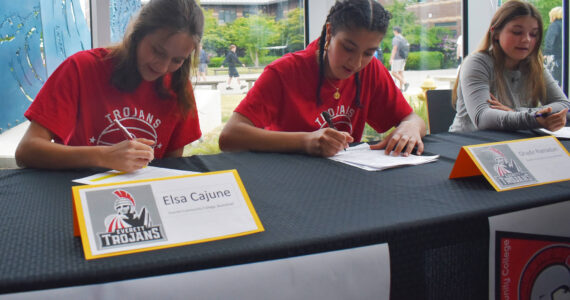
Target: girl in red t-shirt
120	107
318	100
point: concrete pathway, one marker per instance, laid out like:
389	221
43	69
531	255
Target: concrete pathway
415	78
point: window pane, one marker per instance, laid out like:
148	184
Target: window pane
552	13
433	30
262	30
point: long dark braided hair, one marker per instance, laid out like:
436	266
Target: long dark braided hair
351	15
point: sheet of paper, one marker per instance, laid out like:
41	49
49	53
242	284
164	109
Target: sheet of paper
361	156
144	173
153	214
562	133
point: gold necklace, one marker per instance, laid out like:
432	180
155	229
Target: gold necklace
336	94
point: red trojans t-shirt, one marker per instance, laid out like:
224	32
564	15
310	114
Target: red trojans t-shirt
284	98
78	105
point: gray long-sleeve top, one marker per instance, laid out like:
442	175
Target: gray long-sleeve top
476	82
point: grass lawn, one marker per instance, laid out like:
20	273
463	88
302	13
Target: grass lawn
208	144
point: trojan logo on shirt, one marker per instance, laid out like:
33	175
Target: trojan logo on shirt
341	117
136	121
127	225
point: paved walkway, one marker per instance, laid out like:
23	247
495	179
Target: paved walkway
415	78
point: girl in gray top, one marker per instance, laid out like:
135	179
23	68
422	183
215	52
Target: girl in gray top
501	85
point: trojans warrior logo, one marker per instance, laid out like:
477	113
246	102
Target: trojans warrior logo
127	226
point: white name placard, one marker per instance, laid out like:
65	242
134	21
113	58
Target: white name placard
515	164
135	216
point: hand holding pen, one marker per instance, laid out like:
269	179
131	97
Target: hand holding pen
326	141
129	155
124	130
551	121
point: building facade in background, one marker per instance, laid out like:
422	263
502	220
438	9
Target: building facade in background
228	10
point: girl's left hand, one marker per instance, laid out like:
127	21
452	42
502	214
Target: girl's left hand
495	104
554	121
402	140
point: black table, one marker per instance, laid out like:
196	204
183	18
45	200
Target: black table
437	229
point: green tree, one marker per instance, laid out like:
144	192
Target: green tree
213	38
293	30
404	19
253	34
417	35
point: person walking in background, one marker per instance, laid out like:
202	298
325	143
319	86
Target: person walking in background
503	85
231	61
553	45
400	48
123	106
203	64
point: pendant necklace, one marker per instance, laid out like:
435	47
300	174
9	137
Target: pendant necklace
336	94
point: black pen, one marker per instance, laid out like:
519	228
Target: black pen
327	117
541	115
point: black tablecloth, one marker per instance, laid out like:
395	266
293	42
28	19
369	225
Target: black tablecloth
437	228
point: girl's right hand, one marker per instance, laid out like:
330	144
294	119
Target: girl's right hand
552	122
129	155
326	142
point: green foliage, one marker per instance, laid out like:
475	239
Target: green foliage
420	60
263	60
213	39
216	62
421	39
293	30
424	60
252	34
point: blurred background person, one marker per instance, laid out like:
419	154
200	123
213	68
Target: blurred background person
203	64
553	45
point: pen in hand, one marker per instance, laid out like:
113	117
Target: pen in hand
541	115
327	117
124	130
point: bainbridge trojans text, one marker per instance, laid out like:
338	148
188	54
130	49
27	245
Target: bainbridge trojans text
206	196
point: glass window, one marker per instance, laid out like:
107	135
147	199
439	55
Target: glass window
433	30
262	30
552	42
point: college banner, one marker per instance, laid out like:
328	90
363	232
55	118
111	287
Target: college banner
529	253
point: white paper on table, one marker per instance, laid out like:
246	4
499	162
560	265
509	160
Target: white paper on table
361	156
564	132
144	173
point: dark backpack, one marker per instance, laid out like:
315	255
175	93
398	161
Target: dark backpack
404	50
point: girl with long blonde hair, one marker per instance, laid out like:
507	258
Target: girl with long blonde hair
503	85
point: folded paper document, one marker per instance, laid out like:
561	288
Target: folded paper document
361	156
148	172
563	133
